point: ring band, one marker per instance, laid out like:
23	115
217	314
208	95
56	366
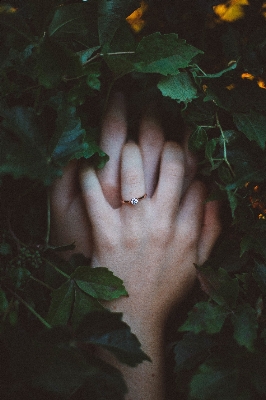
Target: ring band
134	200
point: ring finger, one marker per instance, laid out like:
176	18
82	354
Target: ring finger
132	175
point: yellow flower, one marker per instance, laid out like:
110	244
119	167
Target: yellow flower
135	19
231	11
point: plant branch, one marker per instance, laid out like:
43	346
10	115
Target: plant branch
56	268
224	145
41	319
41	283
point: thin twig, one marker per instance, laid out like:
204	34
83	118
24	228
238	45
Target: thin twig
224	145
48	228
41	319
56	268
41	283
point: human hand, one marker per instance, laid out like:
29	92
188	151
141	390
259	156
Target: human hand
154	245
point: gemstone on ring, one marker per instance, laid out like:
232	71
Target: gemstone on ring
134	201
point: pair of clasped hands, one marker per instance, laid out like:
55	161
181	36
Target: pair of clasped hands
153	245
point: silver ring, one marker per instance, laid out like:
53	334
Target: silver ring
134	200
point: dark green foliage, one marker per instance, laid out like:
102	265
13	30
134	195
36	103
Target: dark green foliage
59	62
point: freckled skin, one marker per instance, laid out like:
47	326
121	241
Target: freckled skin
153	245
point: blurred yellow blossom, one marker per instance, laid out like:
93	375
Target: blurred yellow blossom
135	19
231	11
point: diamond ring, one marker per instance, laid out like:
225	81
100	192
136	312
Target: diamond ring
134	200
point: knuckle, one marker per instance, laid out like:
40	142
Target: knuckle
132	241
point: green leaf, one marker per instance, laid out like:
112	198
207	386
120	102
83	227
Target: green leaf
209	151
259	274
218	284
218	74
107	330
93	71
99	283
163	54
191	350
85	55
56	62
253	125
197	139
255	241
3	301
205	317
59	368
245	324
76	21
61	304
232	201
83	304
214	382
68	138
178	87
111	14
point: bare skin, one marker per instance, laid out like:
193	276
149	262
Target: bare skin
152	246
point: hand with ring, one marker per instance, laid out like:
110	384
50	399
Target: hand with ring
149	225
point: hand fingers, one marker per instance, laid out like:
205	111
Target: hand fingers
99	210
132	175
151	142
113	137
190	163
190	214
65	188
169	189
210	231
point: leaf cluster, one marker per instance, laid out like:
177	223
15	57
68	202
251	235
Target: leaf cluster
59	63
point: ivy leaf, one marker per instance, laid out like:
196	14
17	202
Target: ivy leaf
111	14
85	55
209	150
214	382
198	139
61	304
99	283
254	241
178	87
245	324
191	350
232	201
107	330
83	304
163	54
259	274
55	62
69	135
93	71
253	125
205	317
75	22
23	151
219	286
3	301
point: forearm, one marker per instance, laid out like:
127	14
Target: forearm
146	381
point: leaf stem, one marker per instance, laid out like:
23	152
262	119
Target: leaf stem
98	55
48	228
41	319
41	283
56	268
224	145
